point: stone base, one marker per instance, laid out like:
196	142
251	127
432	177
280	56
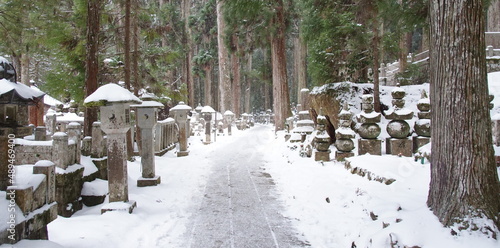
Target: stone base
371	146
322	156
340	156
93	200
119	206
182	153
420	141
145	182
398	147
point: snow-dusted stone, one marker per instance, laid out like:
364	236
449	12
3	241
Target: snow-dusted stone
344	135
423	124
180	114
399	130
369	129
207	112
114	102
146	119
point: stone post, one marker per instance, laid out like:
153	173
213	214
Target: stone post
490	52
344	135
60	150
48	169
369	130
207	115
74	133
180	114
97	148
114	104
51	122
86	145
228	118
322	148
40	133
423	124
399	130
304	99
146	118
158	137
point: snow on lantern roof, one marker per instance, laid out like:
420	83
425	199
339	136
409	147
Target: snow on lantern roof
207	109
181	106
112	93
22	92
148	104
228	112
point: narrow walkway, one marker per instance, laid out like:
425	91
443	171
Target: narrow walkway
240	208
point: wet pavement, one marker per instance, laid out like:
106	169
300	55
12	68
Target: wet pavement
240	206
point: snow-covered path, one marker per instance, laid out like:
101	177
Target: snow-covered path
239	206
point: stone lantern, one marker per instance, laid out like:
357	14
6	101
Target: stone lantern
369	130
146	118
207	112
423	124
228	118
398	128
114	102
322	147
180	114
344	135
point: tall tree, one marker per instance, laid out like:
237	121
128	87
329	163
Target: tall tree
224	72
91	61
464	181
126	43
281	103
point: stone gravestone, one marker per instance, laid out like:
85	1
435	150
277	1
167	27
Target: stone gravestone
423	124
369	130
399	130
228	118
344	135
207	112
180	113
322	147
146	117
114	102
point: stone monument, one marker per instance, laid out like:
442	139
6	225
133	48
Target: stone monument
114	102
423	124
369	130
344	135
180	114
146	117
399	143
228	118
322	140
207	112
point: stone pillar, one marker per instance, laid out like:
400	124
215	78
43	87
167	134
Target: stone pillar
322	148
60	150
146	120
423	124
369	130
97	148
180	114
86	145
50	120
399	130
74	133
158	138
40	133
48	169
228	118
344	135
304	99
207	116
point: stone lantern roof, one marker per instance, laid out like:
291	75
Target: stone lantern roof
110	93
16	93
207	109
148	104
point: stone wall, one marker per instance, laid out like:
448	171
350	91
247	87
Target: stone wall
35	203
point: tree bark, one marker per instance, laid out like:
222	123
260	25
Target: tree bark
91	62
281	98
126	45
236	84
208	84
224	76
135	54
464	181
301	64
186	69
248	89
376	58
